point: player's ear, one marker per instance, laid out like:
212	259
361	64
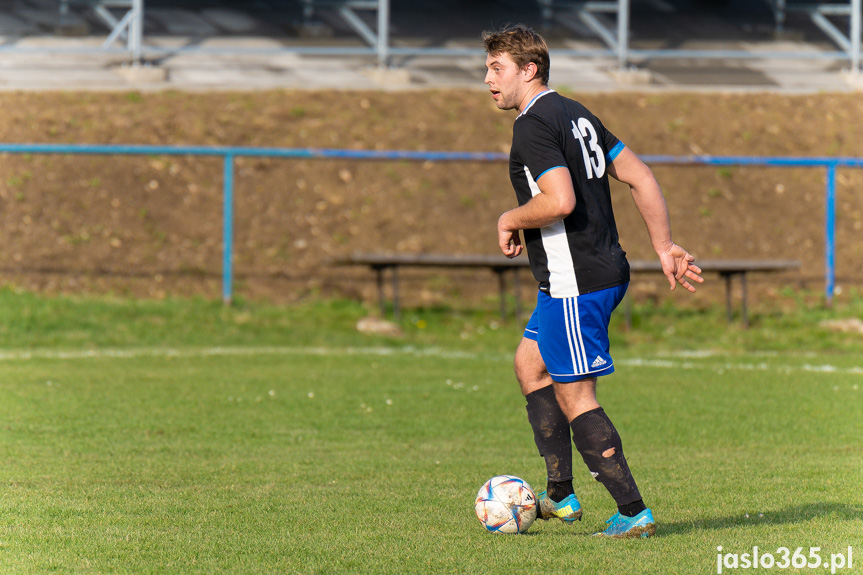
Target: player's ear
530	71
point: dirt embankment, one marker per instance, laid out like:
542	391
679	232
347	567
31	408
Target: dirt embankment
151	226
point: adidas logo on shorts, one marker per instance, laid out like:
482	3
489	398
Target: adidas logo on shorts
598	362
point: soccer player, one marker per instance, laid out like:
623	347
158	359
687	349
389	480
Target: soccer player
559	165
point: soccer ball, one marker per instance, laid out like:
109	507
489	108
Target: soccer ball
506	504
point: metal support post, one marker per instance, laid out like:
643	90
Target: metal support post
617	42
779	14
830	235
131	26
856	15
64	12
623	33
383	44
547	13
136	31
819	18
228	229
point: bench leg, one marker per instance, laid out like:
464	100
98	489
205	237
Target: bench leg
501	285
382	302
728	310
516	288
382	298
396	312
628	309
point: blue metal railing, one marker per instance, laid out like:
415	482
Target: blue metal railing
229	153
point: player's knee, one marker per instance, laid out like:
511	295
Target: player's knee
531	381
528	372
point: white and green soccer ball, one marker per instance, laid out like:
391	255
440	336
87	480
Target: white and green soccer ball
506	504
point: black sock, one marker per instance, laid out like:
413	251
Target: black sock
632	509
551	434
559	490
599	445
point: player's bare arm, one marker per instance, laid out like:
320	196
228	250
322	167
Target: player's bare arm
677	264
555	202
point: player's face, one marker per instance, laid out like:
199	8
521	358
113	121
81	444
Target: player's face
505	81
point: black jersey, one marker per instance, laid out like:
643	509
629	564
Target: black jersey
581	253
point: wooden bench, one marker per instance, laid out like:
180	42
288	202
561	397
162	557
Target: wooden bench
727	269
380	262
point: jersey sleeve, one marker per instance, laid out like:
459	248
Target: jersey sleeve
537	146
610	142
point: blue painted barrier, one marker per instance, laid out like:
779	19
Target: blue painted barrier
228	153
228	229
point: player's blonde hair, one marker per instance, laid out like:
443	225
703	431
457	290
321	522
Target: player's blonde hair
522	44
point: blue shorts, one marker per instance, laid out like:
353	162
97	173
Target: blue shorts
572	333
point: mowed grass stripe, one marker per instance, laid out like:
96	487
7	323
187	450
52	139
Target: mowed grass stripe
694	361
131	353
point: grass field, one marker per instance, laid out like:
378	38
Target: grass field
183	437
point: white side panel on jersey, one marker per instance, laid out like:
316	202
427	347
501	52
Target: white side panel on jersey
561	276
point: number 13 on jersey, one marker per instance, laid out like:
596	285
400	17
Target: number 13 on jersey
594	158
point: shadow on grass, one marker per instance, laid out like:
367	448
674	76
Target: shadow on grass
793	514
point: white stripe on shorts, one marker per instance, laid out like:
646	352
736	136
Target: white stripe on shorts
568	331
579	338
573	336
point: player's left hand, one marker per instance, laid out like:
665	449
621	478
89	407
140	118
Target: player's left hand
678	265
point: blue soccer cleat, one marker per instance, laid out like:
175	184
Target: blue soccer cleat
623	527
568	510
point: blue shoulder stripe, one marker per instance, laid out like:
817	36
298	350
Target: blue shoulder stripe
546	171
614	152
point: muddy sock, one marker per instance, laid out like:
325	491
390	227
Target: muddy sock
551	434
599	445
632	509
559	490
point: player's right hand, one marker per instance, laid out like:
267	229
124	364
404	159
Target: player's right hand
509	242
